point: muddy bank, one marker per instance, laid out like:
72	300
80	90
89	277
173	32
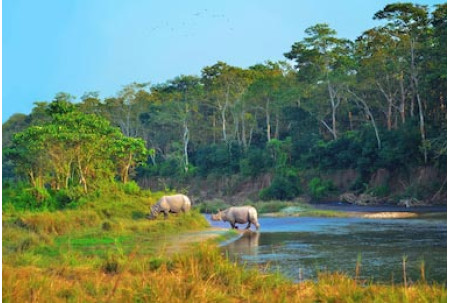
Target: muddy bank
339	209
348	207
186	240
418	186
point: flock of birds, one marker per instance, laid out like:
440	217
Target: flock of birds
188	28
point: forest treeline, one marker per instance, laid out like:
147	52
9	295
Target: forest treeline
378	102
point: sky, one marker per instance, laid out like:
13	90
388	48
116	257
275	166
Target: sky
80	46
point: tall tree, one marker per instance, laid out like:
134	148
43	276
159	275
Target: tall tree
73	148
225	87
322	59
408	22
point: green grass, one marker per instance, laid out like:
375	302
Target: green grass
105	252
201	274
274	208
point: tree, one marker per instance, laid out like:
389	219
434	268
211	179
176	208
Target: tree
324	60
173	116
382	71
266	92
225	87
73	148
127	153
125	109
408	22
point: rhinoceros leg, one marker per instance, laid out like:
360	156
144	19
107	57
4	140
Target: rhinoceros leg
248	225
166	214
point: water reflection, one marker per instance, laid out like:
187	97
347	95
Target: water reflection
247	244
309	245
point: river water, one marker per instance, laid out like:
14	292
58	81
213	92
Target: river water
299	247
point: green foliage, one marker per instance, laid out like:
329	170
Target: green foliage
282	188
131	188
218	159
319	188
274	206
73	149
255	162
212	206
112	264
380	191
376	102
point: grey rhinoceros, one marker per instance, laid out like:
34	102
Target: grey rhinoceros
238	214
170	204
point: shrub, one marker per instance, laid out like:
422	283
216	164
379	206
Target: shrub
112	264
212	206
319	188
131	188
282	188
255	162
380	191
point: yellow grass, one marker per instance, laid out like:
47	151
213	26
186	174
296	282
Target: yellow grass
85	256
200	275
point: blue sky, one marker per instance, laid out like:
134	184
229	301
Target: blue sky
79	46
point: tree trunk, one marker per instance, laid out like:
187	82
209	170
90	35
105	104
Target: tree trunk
243	135
369	113
32	178
268	126
224	114
390	104
126	169
402	99
415	84
82	177
334	105
186	142
277	125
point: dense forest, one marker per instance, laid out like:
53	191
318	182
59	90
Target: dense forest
373	109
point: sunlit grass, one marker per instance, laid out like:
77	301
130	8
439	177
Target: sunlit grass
275	208
111	253
202	274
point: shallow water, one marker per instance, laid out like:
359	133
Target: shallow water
300	247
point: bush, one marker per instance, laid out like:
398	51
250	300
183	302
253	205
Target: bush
255	162
112	264
131	188
217	158
380	191
319	188
282	188
211	206
168	168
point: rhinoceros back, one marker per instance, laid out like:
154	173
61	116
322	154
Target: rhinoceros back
242	214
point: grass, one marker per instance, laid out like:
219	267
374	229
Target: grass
274	208
108	252
201	275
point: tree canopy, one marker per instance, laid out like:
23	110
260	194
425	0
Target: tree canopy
376	102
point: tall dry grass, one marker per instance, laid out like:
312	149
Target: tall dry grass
109	252
201	275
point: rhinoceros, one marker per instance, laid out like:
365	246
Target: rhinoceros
238	214
172	204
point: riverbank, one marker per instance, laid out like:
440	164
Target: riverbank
345	210
117	256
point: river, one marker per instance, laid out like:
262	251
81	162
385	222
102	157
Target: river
299	247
